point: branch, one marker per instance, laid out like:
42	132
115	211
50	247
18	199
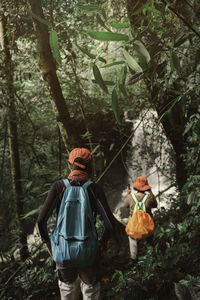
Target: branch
181	18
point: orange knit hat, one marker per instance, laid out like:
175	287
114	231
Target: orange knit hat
82	155
141	184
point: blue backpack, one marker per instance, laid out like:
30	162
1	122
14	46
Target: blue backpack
74	241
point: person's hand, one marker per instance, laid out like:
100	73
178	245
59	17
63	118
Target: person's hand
49	247
128	190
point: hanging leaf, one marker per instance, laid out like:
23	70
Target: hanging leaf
132	62
123	90
95	149
115	106
175	62
99	79
53	41
90	8
41	20
122	75
102	59
119	25
85	51
106	82
107	36
141	49
114	64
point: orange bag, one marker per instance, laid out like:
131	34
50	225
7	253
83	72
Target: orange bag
141	224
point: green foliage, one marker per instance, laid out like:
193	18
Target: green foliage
115	106
107	36
53	41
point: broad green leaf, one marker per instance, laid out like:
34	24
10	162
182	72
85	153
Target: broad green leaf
90	8
119	25
132	62
141	49
115	106
114	64
41	20
53	41
107	36
122	75
175	63
99	79
106	82
85	51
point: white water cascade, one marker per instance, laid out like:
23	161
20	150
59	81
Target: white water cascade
149	155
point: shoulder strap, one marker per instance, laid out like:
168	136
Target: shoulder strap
66	182
86	184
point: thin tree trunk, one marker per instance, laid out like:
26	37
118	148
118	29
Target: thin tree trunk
48	68
12	134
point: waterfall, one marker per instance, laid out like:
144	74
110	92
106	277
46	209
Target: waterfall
150	155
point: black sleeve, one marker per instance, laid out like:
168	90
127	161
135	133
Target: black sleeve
101	205
52	201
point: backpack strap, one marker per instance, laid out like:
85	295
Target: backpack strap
86	184
66	183
139	204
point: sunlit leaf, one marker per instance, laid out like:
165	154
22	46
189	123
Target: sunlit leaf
114	64
90	8
85	51
119	25
141	49
99	79
53	41
132	62
115	106
107	36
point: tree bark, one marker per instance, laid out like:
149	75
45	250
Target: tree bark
174	123
12	133
48	68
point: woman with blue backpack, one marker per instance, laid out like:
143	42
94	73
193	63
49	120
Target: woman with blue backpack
74	242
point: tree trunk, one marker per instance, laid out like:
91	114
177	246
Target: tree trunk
12	133
47	66
174	123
